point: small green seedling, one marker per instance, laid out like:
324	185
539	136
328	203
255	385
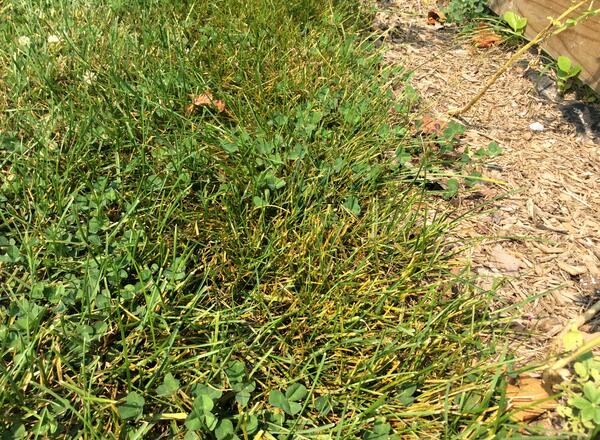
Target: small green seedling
463	11
240	385
451	189
381	431
492	150
351	204
580	408
588	404
566	72
225	430
201	417
169	386
290	401
516	22
133	407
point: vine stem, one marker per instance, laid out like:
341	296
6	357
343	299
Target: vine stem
540	37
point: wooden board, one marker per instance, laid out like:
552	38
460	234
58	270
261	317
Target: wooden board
580	43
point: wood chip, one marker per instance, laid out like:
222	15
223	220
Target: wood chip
572	270
505	260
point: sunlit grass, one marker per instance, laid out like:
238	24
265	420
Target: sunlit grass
143	245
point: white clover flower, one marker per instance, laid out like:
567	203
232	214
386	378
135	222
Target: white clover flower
24	41
89	77
53	39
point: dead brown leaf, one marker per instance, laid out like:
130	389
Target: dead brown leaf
529	399
204	100
435	16
431	125
485	37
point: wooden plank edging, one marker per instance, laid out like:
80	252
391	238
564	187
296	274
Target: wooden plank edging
580	43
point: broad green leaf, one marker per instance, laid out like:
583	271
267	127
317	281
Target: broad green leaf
211	392
352	205
407	392
235	372
193	422
338	164
473	179
224	430
10	254
210	420
323	405
169	386
403	156
243	393
482	152
511	18
380	431
451	189
191	435
229	147
272	181
275	418
516	22
581	369
572	340
296	392
251	424
453	130
382	428
133	406
564	63
298	152
259	202
278	400
579	402
294	408
595	373
592	392
587	412
203	404
494	149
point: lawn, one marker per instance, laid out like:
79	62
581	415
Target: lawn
205	232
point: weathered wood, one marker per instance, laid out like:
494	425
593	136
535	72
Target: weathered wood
580	43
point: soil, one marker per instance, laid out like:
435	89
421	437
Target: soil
535	238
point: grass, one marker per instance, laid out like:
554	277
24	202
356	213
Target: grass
265	269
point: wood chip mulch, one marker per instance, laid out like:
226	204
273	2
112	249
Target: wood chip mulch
539	232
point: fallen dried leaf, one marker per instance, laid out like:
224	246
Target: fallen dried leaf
430	125
435	16
220	105
204	100
529	398
485	37
189	109
505	260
